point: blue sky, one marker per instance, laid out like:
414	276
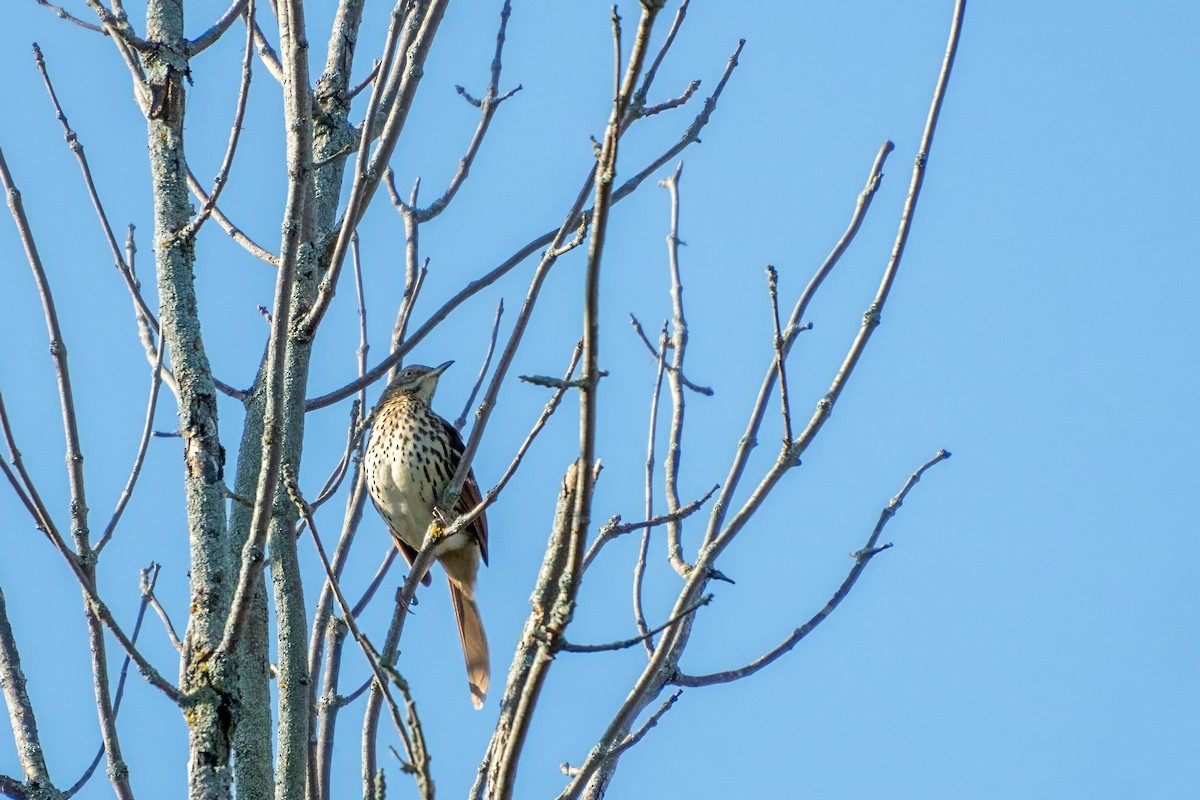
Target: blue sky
1033	632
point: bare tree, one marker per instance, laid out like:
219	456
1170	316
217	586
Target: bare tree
248	622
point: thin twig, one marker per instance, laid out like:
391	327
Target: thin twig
679	340
147	587
623	644
63	14
267	54
780	355
581	232
23	484
614	527
22	495
367	81
217	30
414	276
862	557
236	233
347	699
325	710
354	437
363	345
493	493
139	459
238	115
77	148
651	722
655	351
633	738
547	382
149	576
639	97
488	106
147	327
674	102
487	360
639	566
372	587
368	650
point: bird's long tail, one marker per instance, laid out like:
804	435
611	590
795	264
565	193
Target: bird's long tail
474	641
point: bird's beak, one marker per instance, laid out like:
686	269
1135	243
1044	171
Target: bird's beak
440	368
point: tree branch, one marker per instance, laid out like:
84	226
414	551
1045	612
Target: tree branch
637	735
299	146
622	644
367	176
487	360
679	339
238	115
654	351
749	439
369	652
861	558
535	650
63	14
552	238
20	711
565	555
21	482
873	315
124	268
780	356
218	28
83	560
614	527
127	492
11	787
663	663
149	579
149	576
487	105
639	566
235	233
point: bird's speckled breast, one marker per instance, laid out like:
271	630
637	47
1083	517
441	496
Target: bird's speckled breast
406	466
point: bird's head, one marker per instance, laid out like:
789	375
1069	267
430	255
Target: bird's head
417	380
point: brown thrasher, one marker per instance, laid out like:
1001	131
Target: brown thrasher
411	455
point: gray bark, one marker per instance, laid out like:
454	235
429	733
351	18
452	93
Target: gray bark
209	715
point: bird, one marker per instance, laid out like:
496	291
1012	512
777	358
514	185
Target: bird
411	455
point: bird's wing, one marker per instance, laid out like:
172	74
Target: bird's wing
471	495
